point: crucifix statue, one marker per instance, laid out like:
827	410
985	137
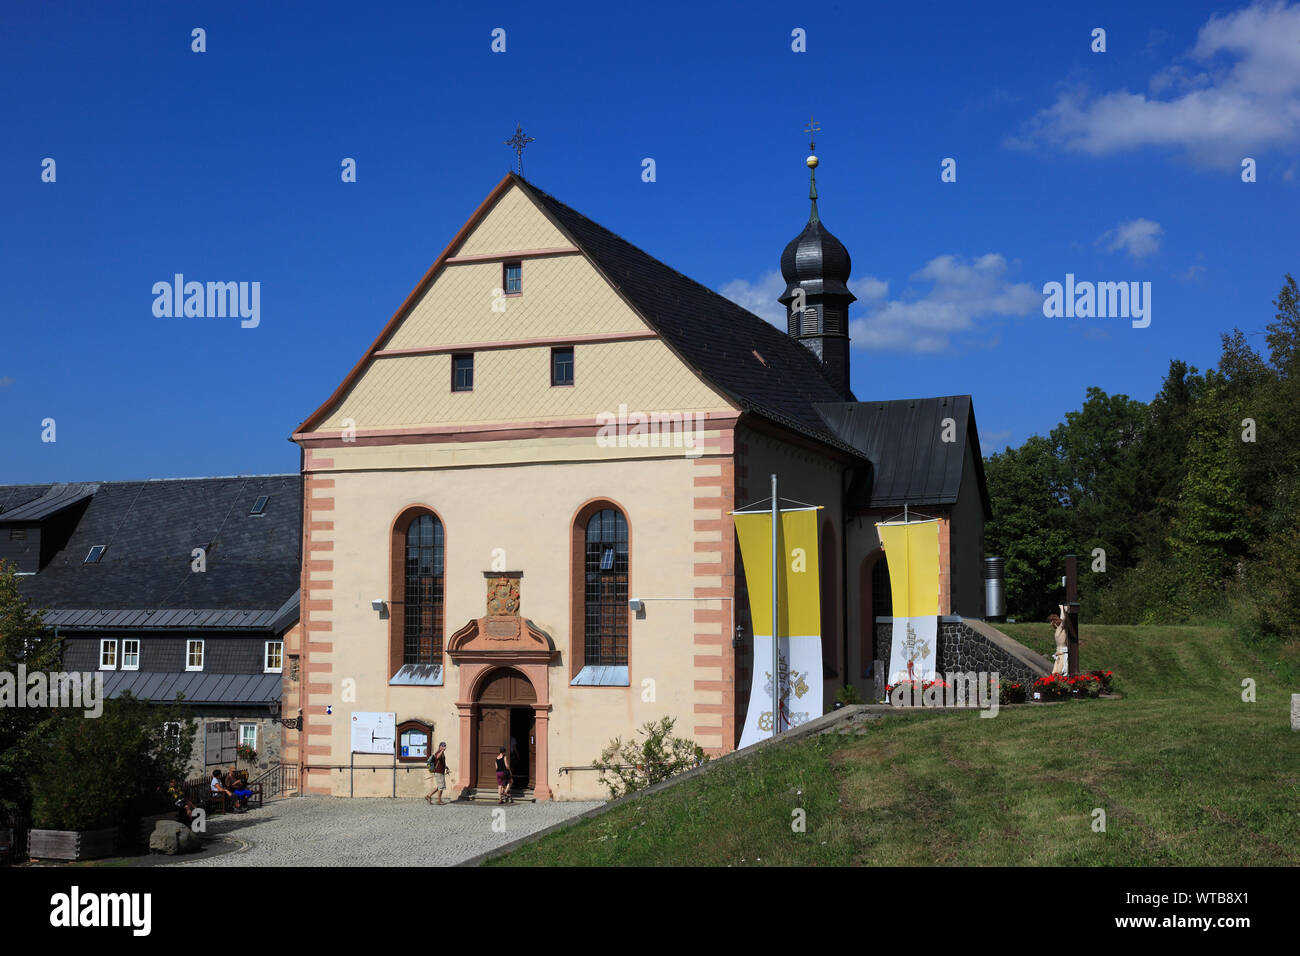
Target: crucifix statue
518	142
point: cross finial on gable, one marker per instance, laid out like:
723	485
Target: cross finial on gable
518	142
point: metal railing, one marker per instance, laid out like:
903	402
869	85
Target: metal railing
279	781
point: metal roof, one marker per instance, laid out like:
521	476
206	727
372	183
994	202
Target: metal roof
196	687
904	440
168	619
57	498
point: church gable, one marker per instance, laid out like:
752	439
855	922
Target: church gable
462	308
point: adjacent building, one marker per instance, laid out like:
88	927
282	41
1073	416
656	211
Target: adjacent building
173	589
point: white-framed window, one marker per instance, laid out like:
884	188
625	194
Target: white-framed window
108	654
248	735
130	654
194	655
274	657
172	735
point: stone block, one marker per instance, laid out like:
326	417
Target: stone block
171	837
1295	711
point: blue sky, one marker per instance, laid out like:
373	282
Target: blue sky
225	165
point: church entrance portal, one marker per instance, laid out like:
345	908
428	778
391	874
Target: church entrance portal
505	718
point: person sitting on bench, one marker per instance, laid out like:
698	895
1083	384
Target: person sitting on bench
219	789
238	785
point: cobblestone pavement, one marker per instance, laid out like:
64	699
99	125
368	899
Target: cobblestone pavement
334	831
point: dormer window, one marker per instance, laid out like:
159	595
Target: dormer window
513	280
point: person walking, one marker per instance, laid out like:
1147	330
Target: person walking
503	776
437	773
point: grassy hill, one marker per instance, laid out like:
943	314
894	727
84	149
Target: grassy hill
1187	773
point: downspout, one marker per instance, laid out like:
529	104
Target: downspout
844	566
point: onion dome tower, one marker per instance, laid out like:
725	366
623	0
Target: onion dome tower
816	267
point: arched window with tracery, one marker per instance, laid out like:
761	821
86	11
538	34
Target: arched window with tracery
419	562
605	591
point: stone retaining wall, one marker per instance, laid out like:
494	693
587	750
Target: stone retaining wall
966	644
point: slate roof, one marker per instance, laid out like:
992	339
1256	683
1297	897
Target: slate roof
55	499
198	687
150	529
708	331
14	496
911	464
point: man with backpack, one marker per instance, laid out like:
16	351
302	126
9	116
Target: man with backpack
437	764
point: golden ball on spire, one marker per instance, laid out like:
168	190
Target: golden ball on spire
812	162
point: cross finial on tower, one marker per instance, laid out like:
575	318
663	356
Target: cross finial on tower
812	129
519	141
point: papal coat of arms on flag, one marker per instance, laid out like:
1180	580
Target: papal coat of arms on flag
912	550
798	609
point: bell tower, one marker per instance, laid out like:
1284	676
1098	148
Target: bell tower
816	267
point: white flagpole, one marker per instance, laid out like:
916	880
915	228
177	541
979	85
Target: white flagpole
776	680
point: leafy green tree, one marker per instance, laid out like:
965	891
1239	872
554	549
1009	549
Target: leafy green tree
23	642
103	771
1029	529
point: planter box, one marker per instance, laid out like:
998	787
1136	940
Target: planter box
71	844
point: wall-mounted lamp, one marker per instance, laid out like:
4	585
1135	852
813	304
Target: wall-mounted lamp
636	604
378	604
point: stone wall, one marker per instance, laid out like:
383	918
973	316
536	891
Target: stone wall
268	745
966	644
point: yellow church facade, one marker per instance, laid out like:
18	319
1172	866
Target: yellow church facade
516	521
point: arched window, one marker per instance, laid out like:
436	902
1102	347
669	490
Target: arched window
605	590
423	592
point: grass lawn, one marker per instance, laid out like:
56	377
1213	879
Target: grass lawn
1187	773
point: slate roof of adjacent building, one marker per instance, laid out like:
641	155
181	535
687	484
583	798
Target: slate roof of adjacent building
911	464
197	687
54	499
708	331
144	580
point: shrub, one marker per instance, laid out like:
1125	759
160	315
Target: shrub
848	694
629	766
105	771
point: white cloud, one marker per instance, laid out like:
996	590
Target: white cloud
6	381
961	290
1138	237
759	297
1243	94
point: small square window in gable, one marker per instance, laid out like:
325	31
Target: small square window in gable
562	366
462	373
513	279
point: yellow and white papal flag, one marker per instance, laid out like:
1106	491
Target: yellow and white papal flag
912	551
799	668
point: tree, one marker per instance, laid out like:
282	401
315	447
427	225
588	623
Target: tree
24	642
1029	527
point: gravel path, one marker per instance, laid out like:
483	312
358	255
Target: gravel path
333	831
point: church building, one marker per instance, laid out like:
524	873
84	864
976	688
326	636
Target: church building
516	506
